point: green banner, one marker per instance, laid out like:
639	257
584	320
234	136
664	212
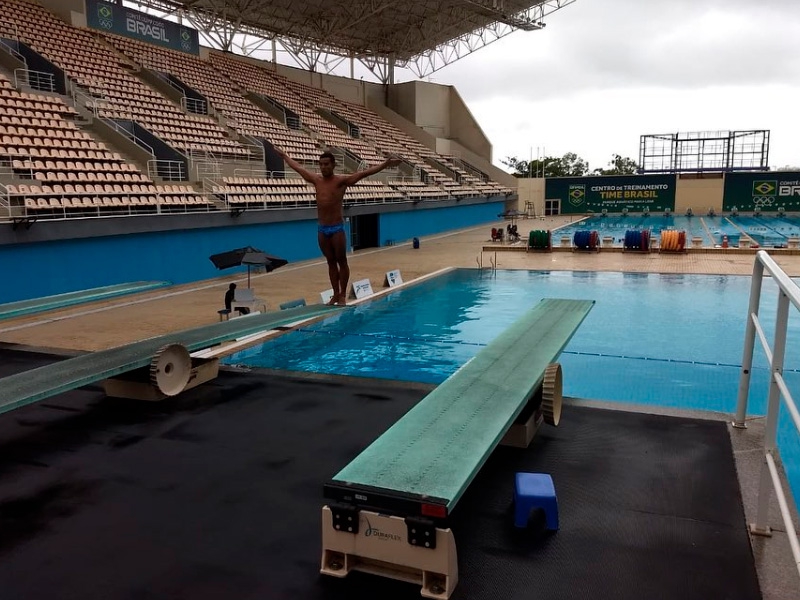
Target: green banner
767	190
118	19
593	194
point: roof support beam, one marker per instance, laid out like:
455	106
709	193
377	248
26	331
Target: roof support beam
320	35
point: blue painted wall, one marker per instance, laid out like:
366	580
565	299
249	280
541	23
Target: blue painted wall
179	256
403	226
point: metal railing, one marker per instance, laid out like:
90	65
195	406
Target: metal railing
83	98
111	206
293	122
195	106
11	26
788	292
9	50
130	135
171	170
38	80
212	186
208	169
250	172
25	170
5	200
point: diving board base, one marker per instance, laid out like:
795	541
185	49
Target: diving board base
382	545
520	435
136	385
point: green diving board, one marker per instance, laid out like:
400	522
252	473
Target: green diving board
37	305
432	454
31	386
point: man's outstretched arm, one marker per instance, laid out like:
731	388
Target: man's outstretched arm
354	178
302	171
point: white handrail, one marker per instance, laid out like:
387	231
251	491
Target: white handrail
171	170
130	135
90	102
5	199
194	106
8	49
788	292
38	80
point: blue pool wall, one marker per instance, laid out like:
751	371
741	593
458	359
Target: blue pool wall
178	255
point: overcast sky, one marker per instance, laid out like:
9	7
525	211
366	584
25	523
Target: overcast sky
604	72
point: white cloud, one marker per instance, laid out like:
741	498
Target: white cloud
604	72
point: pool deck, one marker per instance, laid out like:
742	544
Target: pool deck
216	494
107	324
111	323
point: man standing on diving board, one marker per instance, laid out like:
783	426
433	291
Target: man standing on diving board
330	191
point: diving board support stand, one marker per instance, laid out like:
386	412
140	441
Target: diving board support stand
543	406
171	372
382	545
29	387
387	512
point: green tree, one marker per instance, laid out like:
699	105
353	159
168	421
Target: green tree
619	165
521	167
569	165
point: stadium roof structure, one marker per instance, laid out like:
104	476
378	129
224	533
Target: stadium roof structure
421	35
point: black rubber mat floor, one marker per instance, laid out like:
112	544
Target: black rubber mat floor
218	495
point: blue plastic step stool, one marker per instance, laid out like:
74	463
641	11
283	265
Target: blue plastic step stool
535	490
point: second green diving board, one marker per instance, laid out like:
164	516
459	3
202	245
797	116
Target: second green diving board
434	452
38	305
28	387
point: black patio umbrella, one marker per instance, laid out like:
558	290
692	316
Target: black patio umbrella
513	214
247	256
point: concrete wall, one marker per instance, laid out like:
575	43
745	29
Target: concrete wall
403	124
72	11
403	226
456	149
344	88
531	190
433	108
699	195
464	128
403	100
441	112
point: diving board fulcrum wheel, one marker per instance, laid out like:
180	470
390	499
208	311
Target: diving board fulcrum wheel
551	394
171	369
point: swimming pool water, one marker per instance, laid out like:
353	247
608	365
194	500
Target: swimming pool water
668	340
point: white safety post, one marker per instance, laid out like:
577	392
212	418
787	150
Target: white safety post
749	342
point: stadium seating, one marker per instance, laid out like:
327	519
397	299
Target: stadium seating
112	91
51	165
261	81
241	114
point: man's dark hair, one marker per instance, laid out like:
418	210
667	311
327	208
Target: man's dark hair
328	155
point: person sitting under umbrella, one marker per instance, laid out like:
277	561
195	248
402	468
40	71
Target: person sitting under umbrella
230	296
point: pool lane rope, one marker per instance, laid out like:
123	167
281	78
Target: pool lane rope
637	239
539	239
386	336
673	240
586	240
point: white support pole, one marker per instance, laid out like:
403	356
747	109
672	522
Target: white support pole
761	526
749	342
778	353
